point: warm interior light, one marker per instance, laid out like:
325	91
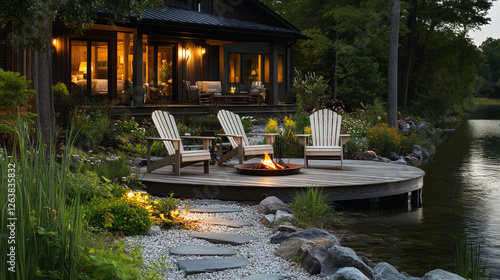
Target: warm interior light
54	42
188	53
83	66
203	50
253	73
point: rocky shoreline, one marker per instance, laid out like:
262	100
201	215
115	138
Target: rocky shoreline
275	252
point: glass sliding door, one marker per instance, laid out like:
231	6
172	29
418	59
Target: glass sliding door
124	63
89	65
159	71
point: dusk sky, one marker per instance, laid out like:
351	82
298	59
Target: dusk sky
492	30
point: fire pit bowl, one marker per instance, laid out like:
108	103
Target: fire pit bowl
248	169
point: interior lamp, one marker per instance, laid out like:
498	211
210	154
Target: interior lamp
188	53
83	66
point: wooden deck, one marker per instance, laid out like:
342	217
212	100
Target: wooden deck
358	180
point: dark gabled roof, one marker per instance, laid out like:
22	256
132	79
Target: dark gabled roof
182	19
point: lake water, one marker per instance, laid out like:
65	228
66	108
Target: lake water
461	195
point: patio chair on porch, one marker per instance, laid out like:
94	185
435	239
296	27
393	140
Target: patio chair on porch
234	131
194	95
177	156
327	142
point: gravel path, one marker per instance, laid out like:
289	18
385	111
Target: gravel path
259	253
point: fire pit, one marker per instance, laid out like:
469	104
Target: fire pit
267	167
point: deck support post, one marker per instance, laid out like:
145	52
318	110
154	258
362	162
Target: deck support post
408	201
374	204
418	198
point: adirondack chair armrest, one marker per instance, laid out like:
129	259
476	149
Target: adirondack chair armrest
237	138
270	137
206	140
175	142
344	138
303	138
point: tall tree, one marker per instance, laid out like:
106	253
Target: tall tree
392	77
31	22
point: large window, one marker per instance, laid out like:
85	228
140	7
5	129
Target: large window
158	71
234	68
96	64
124	62
255	67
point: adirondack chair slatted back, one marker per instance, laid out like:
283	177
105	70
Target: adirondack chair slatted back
231	123
165	124
325	128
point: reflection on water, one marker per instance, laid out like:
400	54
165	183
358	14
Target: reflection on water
461	196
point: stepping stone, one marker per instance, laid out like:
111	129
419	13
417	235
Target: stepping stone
214	202
210	265
228	223
187	250
215	210
224	238
265	277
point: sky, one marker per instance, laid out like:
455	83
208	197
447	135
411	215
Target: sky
492	30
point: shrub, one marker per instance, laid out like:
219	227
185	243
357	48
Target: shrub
309	206
119	215
271	126
383	139
87	186
14	95
114	170
92	126
309	88
247	122
64	104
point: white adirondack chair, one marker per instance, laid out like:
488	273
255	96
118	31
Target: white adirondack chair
234	131
177	156
327	142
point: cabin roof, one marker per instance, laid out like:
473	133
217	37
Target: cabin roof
191	21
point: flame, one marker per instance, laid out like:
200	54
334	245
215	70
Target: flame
268	163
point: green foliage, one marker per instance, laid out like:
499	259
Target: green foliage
383	139
354	148
301	118
468	263
247	122
309	88
204	122
310	206
158	149
114	170
115	263
48	239
489	70
14	96
91	125
87	186
120	215
64	104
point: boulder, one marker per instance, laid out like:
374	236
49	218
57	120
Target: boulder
282	216
338	257
267	219
400	161
296	247
383	159
393	156
286	227
154	230
271	204
311	233
386	271
313	259
349	273
439	274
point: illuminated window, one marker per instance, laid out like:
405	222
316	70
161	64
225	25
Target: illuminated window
266	68
124	63
234	68
252	68
280	68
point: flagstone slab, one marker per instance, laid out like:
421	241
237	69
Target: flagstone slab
228	223
187	250
224	238
210	265
214	202
214	210
266	277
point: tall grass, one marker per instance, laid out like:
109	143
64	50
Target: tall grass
48	230
310	207
468	263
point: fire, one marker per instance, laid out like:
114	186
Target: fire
268	163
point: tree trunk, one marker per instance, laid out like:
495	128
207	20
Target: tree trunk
409	54
392	96
41	70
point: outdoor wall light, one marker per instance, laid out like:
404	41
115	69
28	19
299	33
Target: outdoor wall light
186	53
203	50
54	42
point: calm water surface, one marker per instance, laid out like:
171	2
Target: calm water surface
461	195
